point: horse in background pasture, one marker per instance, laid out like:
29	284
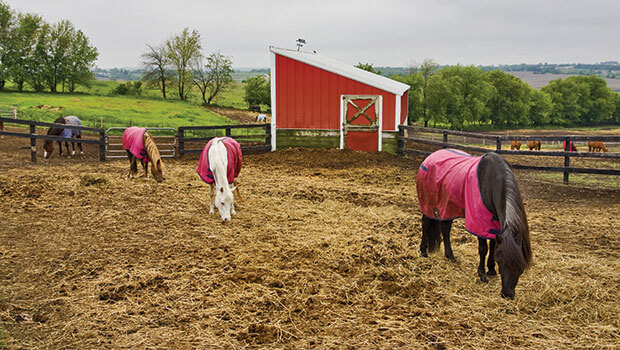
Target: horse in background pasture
533	145
139	144
219	166
596	146
48	145
515	145
453	184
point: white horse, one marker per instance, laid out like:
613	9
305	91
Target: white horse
219	166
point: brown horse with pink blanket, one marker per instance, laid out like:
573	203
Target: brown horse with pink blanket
139	144
452	184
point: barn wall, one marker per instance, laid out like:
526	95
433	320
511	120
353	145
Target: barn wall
309	97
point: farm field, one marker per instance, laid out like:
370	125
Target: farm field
322	254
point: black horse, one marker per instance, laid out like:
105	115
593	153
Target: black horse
48	145
499	194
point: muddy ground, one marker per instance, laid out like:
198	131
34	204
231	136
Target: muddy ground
322	254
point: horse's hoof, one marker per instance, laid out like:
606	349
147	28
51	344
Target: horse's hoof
484	279
451	258
491	273
424	254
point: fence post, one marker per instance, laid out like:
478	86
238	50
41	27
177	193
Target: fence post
445	139
102	145
228	131
33	145
268	135
498	144
181	134
401	140
566	159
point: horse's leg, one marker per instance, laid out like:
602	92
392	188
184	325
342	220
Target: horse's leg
426	227
80	145
237	190
72	148
68	152
211	198
482	250
491	261
59	149
133	167
445	231
145	166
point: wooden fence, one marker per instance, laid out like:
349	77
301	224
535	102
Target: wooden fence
251	141
498	139
33	136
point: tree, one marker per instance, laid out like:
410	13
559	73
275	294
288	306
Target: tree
257	91
368	67
471	95
155	63
567	98
540	107
183	50
80	59
6	24
21	47
213	77
60	38
424	71
416	95
509	102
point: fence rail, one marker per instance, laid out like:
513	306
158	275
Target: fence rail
566	169
33	136
245	146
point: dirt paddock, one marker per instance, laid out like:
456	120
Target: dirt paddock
322	254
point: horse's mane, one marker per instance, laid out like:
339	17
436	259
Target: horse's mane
515	248
151	148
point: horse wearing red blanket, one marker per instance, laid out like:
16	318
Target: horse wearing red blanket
452	184
219	166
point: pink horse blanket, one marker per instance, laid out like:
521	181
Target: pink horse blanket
133	141
447	185
233	152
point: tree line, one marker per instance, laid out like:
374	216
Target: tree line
467	95
43	55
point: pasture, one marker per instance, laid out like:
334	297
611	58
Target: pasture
322	254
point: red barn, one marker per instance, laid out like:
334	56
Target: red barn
336	103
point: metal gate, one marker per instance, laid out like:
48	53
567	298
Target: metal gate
165	139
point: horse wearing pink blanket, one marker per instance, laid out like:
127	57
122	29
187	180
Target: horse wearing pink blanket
219	166
452	184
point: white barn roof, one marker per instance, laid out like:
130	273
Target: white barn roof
344	69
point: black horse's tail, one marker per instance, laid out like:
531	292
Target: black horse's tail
433	238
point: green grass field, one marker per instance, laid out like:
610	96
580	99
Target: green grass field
99	104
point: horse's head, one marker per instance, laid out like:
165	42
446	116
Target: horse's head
513	256
224	200
157	165
157	169
48	147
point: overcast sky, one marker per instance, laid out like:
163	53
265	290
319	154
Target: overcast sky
382	32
